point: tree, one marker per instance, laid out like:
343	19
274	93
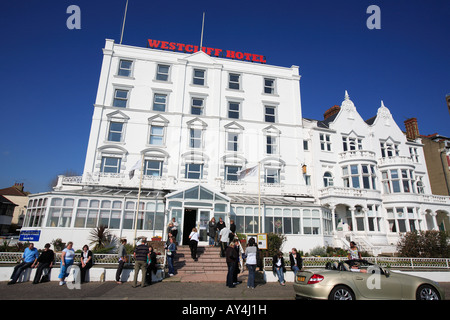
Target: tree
424	244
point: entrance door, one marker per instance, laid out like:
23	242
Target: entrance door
203	226
190	218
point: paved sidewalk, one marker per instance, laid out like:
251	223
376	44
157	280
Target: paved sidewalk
166	290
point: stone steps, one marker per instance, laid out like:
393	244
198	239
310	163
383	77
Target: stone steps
209	261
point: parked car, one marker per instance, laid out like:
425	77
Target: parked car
360	279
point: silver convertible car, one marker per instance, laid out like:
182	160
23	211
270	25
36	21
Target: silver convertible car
359	279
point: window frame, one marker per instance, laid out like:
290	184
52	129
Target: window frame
103	164
230	112
159	170
232	174
274	115
325	141
273	145
188	171
198	107
193	138
117	101
129	70
202	79
161	76
276	177
122	131
232	83
162	136
165	104
270	88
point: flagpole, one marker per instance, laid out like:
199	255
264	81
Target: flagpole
138	199
123	24
201	38
259	197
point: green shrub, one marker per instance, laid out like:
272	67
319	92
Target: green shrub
424	244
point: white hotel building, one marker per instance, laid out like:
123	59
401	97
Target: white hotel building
196	120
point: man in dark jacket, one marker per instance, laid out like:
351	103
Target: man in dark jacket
44	261
231	258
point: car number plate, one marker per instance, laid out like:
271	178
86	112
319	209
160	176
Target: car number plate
301	278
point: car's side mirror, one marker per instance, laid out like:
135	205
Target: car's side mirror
387	272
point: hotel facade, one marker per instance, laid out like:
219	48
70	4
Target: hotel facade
173	131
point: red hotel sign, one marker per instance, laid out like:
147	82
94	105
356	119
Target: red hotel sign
213	52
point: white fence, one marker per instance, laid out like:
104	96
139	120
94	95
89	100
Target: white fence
386	262
98	259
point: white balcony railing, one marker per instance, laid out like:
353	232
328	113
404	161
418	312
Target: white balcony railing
357	155
396	160
349	193
118	180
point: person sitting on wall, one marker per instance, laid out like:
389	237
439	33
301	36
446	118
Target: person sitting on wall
86	262
44	261
29	259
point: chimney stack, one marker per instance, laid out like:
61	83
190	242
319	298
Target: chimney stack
412	129
18	186
330	112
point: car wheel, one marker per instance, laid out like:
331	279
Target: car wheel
427	292
341	293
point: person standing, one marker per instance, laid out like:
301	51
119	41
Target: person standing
141	253
278	267
220	225
67	257
251	261
296	260
237	269
85	263
174	228
123	257
193	243
29	259
212	228
171	250
232	230
151	265
231	258
44	261
223	240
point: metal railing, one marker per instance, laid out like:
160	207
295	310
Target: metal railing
98	259
385	262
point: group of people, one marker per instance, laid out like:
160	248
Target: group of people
145	261
279	267
45	260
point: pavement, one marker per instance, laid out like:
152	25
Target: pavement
177	297
179	287
184	287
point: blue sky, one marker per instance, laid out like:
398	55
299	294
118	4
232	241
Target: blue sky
49	74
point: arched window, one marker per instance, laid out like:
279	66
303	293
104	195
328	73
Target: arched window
327	179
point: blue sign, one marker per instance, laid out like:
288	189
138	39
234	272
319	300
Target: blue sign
30	235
